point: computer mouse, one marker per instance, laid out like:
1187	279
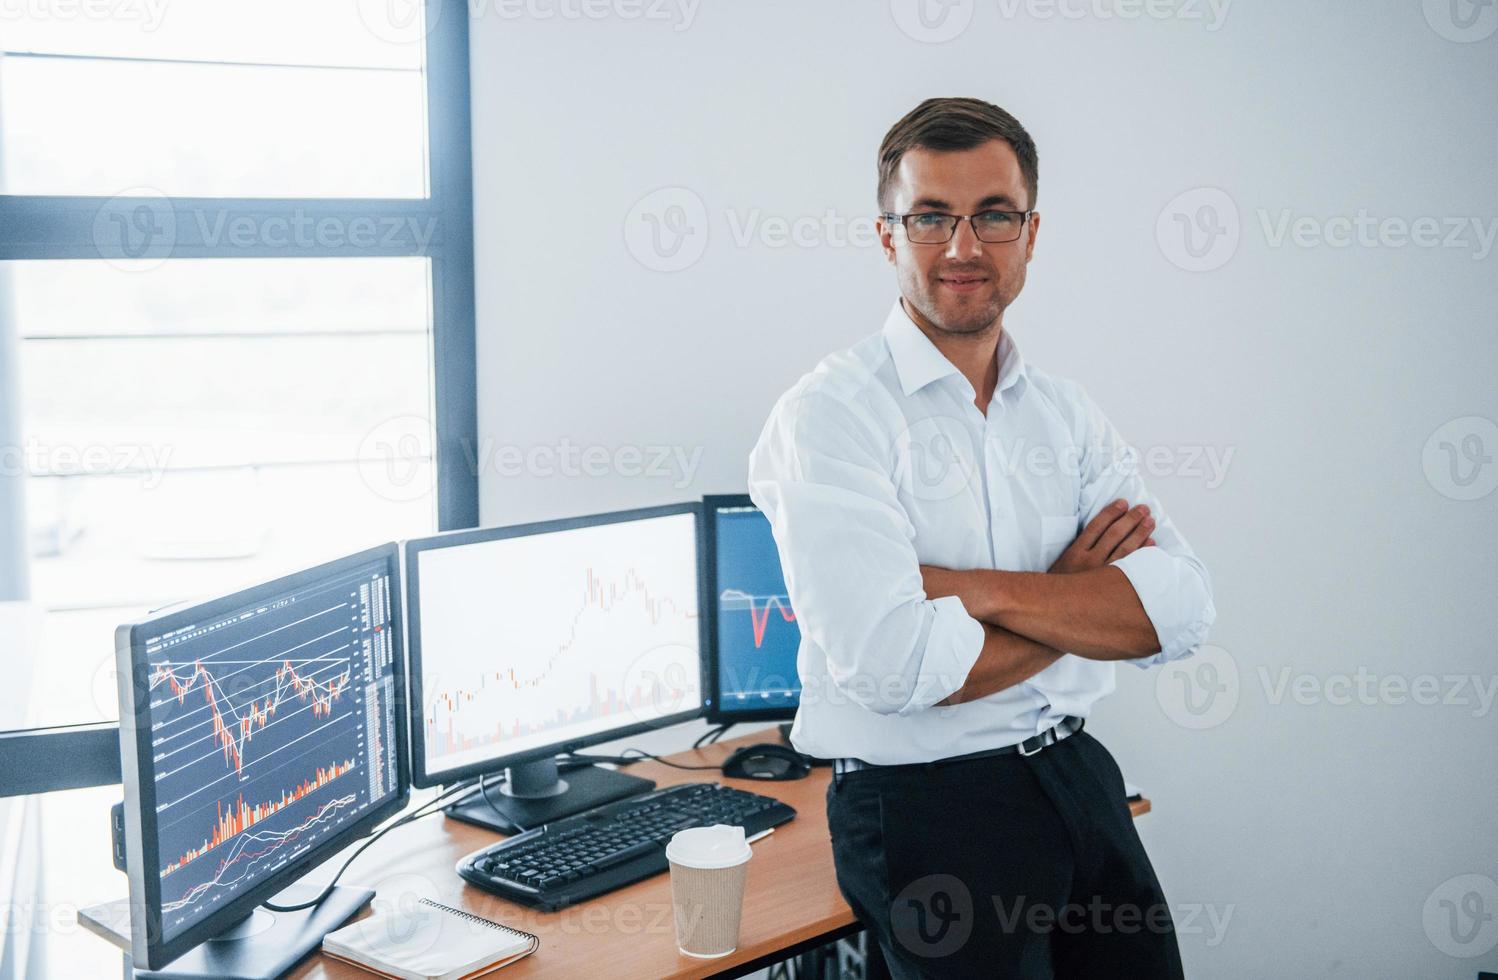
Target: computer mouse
766	760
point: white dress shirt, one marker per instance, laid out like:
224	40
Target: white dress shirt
877	462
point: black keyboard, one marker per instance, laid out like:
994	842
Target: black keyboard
614	845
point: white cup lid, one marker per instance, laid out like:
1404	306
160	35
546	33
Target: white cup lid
718	846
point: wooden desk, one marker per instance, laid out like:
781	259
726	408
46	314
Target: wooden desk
791	901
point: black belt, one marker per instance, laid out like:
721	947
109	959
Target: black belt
1068	727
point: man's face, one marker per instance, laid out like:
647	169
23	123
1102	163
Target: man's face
964	286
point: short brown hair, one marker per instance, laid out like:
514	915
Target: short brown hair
956	124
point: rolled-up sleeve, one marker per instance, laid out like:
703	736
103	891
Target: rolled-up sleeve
1172	583
823	478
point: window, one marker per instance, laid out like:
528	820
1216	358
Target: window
236	312
204	424
213	98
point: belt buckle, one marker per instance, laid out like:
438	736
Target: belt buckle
1040	744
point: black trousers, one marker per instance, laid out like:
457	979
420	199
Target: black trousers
1008	866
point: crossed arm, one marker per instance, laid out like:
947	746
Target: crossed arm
1082	605
821	473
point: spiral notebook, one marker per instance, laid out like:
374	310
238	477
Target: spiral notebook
429	942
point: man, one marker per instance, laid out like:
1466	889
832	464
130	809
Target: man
955	530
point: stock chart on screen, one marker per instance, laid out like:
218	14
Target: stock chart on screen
530	640
272	726
757	632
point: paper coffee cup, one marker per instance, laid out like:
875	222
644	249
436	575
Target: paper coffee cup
708	868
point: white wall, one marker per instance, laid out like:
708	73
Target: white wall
1329	832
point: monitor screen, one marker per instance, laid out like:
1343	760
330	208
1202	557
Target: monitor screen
756	632
526	641
272	728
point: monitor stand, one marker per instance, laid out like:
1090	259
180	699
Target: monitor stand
264	944
534	793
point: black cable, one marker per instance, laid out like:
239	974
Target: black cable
484	792
713	733
416	814
667	762
421	811
710	736
624	760
564	763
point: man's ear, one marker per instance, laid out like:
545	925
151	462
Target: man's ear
886	238
1032	231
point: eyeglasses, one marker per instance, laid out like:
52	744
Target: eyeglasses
935	228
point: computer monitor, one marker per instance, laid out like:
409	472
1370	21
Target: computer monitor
539	639
260	733
751	672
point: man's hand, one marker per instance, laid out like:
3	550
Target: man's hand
1092	612
1115	532
1005	660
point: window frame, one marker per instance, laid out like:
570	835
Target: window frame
62	227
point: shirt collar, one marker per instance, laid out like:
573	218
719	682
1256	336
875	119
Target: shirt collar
918	362
1011	364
